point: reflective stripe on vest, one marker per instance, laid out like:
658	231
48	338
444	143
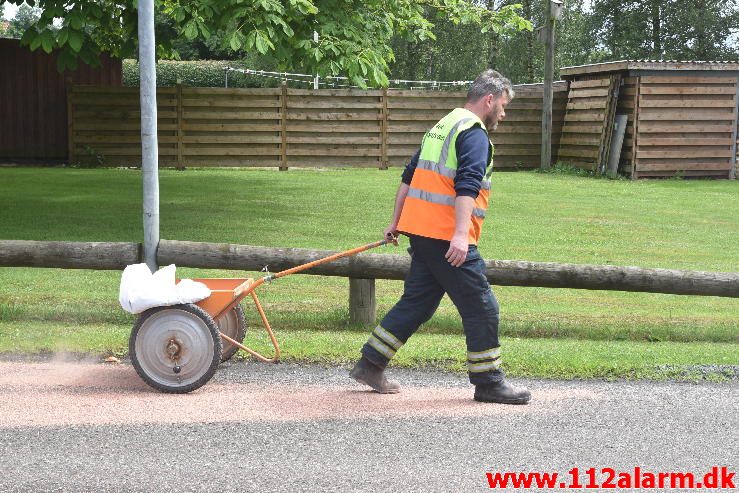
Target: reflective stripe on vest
438	198
444	171
429	208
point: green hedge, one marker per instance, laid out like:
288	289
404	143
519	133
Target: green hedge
199	73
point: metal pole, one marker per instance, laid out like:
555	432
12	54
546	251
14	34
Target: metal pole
315	81
149	150
546	117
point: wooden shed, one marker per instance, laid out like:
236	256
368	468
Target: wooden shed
682	117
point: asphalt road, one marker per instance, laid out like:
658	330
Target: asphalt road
87	426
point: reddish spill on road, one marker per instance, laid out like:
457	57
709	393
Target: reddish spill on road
59	394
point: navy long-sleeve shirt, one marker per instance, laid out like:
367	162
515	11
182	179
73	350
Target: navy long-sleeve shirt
473	150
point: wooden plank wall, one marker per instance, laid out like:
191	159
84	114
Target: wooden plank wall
685	125
292	127
588	121
105	125
227	127
627	106
334	128
33	101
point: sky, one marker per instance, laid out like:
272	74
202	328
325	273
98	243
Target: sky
10	10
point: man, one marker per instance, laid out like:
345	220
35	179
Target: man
440	205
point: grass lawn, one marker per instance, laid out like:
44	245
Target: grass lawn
677	224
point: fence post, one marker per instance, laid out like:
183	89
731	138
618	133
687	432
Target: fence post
362	302
732	171
180	163
383	130
283	128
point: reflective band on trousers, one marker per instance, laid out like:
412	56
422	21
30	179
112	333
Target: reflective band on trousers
384	342
437	198
483	367
380	347
482	355
447	172
387	337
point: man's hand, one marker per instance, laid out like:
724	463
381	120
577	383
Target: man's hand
457	253
391	233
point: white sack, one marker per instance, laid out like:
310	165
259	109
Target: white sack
141	290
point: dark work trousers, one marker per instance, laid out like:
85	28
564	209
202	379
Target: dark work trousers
430	276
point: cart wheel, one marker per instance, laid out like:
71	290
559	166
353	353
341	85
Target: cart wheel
233	325
175	349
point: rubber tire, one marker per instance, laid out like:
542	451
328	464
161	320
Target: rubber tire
229	349
214	333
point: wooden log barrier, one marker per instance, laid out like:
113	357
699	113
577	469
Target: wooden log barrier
361	269
69	254
499	272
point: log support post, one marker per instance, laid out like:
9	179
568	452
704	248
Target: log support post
362	301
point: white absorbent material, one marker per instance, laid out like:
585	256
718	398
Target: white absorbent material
141	290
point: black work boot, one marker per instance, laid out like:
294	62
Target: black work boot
367	373
502	392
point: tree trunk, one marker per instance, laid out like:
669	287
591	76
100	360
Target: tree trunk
656	30
527	12
493	42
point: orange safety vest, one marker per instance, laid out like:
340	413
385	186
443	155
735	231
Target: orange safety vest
428	209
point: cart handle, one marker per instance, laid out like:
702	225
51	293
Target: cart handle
250	285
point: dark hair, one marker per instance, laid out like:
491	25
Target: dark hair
489	82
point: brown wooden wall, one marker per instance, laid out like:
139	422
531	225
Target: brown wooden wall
627	106
588	121
291	127
685	125
677	123
33	101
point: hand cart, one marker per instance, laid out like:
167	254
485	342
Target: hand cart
176	349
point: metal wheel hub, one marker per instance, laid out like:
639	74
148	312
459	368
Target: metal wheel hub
174	347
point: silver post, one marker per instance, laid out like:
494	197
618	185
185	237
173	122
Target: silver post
315	81
554	9
149	150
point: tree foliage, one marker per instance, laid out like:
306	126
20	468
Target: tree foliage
588	32
24	18
354	36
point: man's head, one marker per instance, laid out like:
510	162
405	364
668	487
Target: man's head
487	97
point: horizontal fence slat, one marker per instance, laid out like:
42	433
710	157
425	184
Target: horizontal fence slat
707	114
668	127
647	102
230	115
578	84
683	141
689	90
678	79
682	154
681	165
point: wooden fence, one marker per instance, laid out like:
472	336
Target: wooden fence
685	124
682	116
33	109
290	127
588	122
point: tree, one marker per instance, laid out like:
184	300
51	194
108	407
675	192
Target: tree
701	29
354	35
25	17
